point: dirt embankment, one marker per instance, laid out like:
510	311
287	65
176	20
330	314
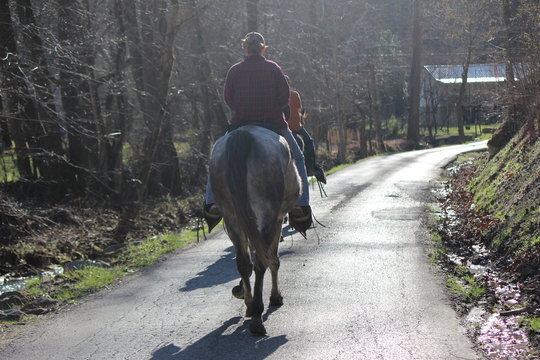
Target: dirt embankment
36	237
490	229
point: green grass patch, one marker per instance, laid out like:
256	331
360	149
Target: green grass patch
534	323
343	166
337	168
150	251
436	254
466	287
8	167
437	249
507	188
88	280
454	130
33	287
182	147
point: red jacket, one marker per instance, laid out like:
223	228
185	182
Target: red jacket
256	91
295	120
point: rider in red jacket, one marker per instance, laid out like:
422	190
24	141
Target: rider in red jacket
257	92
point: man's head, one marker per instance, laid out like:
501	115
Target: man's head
288	79
253	43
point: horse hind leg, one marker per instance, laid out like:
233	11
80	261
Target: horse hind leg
275	296
245	268
273	233
257	307
243	290
276	299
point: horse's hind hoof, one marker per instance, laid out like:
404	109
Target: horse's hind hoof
257	328
238	291
276	300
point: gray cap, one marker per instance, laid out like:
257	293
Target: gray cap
253	41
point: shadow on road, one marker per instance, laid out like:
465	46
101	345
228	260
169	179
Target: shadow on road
239	344
220	272
223	270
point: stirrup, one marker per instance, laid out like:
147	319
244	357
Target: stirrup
301	222
211	218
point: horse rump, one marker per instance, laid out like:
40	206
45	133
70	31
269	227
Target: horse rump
255	183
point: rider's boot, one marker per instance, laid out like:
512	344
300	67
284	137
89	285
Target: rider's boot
212	215
300	219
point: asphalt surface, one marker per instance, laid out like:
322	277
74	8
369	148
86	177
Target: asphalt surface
359	288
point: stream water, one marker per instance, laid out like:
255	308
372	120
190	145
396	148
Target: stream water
10	283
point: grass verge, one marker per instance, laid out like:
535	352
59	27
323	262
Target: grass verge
78	283
466	288
534	324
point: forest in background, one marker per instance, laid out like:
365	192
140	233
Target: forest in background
115	104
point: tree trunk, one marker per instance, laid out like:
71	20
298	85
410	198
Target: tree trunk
340	121
75	50
46	142
461	97
363	142
152	80
203	72
413	131
375	107
252	12
115	119
509	63
12	124
511	123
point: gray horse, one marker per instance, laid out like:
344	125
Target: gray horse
255	183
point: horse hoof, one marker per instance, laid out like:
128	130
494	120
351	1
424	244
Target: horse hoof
249	312
238	291
257	328
276	300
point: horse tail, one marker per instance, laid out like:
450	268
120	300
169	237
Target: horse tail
240	146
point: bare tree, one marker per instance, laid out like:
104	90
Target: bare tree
81	112
153	58
413	128
252	10
11	81
46	144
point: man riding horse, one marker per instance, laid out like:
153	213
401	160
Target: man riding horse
257	91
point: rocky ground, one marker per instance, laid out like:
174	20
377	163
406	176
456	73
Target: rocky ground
49	242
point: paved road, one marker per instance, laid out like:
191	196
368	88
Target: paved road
362	289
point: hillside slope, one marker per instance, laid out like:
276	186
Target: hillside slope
509	188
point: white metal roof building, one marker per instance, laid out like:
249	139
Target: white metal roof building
478	73
440	88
